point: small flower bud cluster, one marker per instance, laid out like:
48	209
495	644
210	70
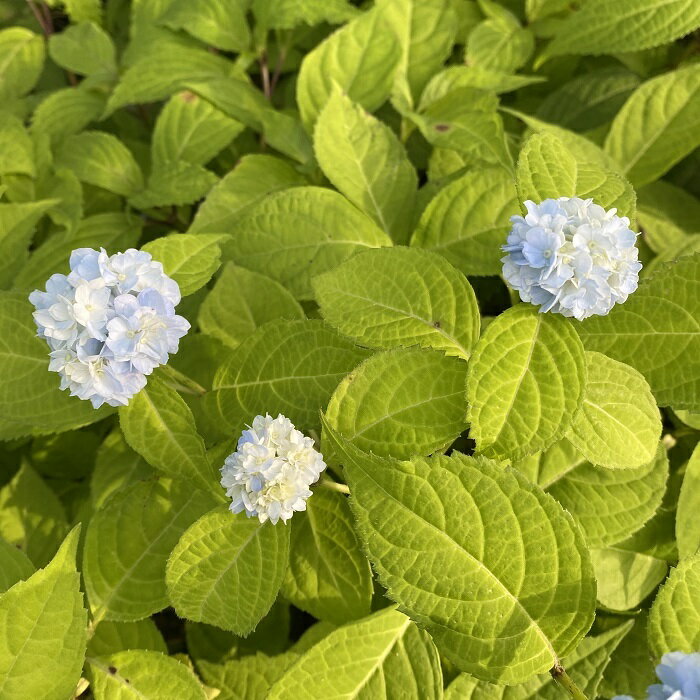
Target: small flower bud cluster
679	674
270	472
571	257
109	323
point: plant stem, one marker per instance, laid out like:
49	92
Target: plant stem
182	382
334	486
565	681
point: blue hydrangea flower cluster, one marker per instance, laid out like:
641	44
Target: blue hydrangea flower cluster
572	257
679	674
108	323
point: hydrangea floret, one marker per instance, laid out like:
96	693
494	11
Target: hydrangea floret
108	323
270	472
570	256
679	674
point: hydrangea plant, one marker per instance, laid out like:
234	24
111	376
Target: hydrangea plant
349	349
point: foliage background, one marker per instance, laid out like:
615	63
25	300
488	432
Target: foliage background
329	182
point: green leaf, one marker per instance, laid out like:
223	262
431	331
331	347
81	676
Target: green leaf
619	425
116	466
174	184
31	516
30	400
287	14
466	121
42	630
674	619
227	569
658	125
666	213
401	403
101	159
128	542
114	231
298	233
625	579
14	565
468	220
364	159
602	27
687	521
499	42
454	77
656	332
547	169
220	25
427	31
502	619
328	576
190	260
255	177
384	655
289	367
585	665
22	61
84	10
159	426
525	384
111	637
609	505
360	58
400	296
16	147
68	111
190	129
241	301
138	674
86	49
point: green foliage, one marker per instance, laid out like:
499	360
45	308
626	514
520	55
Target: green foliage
330	183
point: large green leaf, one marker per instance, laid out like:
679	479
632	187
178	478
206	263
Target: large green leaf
400	296
30	400
674	620
365	160
328	576
14	565
68	111
625	578
85	48
467	221
619	26
190	129
158	425
31	516
585	665
110	637
174	183
656	332
241	301
22	60
658	125
619	425
526	382
189	259
609	505
287	14
227	569
140	673
687	521
402	403
298	233
250	181
101	159
382	656
289	367
547	169
501	618
42	630
360	58
128	542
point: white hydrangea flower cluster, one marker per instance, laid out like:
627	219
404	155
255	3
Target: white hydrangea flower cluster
109	323
270	472
571	257
679	674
